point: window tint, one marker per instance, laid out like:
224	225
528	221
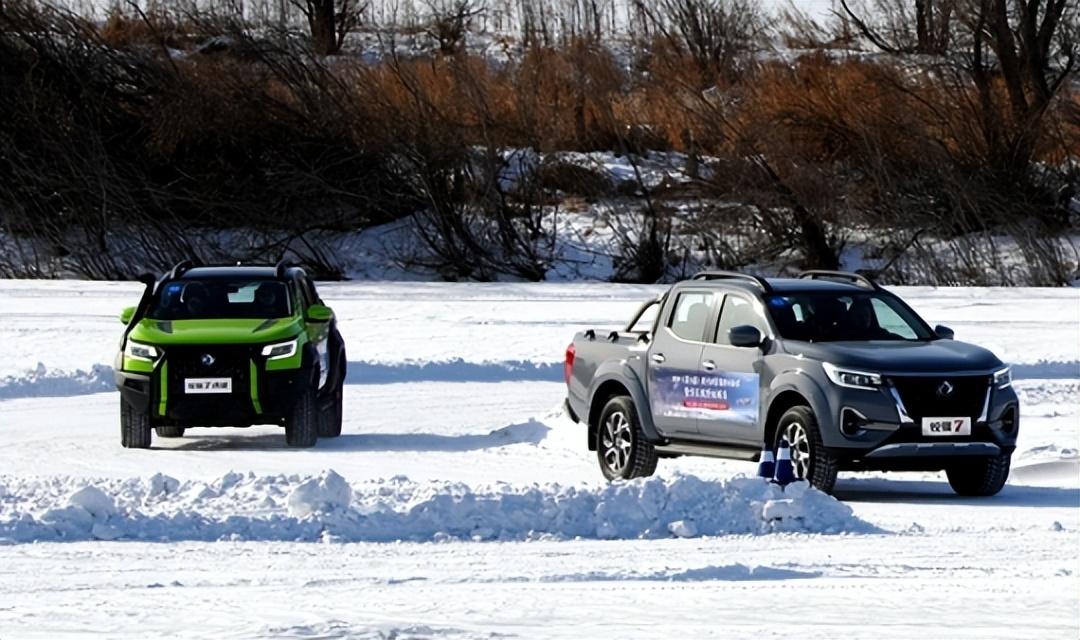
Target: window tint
736	312
826	316
691	315
220	298
890	321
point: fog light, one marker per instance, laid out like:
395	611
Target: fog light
1008	420
851	421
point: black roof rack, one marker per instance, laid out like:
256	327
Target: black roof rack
281	266
823	274
734	275
180	268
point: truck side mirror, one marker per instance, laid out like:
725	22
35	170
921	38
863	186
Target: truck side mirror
944	332
127	314
319	313
745	335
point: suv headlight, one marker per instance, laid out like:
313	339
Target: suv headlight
280	350
852	378
1003	378
139	351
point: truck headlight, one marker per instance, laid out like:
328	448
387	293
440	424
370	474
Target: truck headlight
852	378
139	351
280	350
1003	378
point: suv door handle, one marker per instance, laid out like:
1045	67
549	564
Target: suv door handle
658	358
708	365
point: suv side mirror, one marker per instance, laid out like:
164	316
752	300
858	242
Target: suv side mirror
127	314
745	335
319	313
944	332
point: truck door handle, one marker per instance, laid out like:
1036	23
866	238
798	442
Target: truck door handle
658	358
708	365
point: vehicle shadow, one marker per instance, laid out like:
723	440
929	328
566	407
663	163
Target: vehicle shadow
926	492
531	432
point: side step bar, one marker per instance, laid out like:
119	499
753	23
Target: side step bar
678	448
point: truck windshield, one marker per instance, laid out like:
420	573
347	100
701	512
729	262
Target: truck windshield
210	298
828	316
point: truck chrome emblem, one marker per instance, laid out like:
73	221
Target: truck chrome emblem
945	389
208	360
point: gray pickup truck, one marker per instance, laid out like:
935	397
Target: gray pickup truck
842	369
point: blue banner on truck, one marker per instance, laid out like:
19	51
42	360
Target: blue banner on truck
722	395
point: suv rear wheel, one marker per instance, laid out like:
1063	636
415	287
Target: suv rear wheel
979	476
169	432
811	460
622	451
134	427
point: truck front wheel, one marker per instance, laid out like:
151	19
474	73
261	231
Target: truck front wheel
979	476
621	449
302	424
134	427
811	460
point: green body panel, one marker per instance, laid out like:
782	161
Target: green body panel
163	379
254	377
138	366
216	331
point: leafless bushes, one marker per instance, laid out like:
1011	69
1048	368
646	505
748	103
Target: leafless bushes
121	144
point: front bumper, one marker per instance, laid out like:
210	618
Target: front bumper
258	396
888	433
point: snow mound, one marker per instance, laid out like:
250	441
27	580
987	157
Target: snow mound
43	382
327	508
326	494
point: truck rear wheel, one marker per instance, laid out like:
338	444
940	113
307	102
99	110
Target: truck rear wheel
811	460
979	476
169	432
134	427
302	425
621	449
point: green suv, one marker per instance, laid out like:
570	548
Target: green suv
212	346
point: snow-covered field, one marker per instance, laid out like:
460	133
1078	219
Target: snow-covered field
460	503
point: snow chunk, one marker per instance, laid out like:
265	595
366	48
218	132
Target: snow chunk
94	501
325	494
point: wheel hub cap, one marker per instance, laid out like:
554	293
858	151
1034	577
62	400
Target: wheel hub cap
616	442
795	433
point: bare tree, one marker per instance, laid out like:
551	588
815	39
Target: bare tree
330	21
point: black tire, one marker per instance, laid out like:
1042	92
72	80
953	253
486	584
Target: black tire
169	432
134	427
979	476
330	417
621	448
812	461
302	425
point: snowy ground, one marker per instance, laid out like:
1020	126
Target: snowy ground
455	442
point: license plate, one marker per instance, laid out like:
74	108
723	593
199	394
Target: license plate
946	426
207	385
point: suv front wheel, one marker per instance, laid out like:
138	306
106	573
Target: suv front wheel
809	457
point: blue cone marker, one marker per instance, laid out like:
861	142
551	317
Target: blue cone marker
785	472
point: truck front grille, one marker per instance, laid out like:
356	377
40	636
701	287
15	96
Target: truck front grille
942	396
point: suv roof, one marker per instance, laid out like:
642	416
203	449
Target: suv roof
239	271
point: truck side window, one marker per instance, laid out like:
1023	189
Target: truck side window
736	312
690	316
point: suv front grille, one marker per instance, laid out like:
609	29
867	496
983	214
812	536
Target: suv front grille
931	397
228	362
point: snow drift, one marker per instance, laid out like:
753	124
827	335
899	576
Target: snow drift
327	508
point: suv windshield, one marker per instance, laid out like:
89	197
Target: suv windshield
210	298
824	316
